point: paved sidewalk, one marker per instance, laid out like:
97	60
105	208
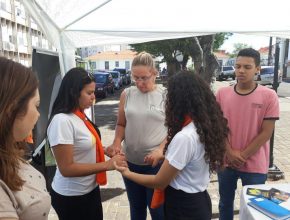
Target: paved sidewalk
115	202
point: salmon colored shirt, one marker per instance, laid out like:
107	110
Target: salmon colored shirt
245	114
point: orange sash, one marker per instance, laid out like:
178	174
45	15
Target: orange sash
158	194
101	177
29	138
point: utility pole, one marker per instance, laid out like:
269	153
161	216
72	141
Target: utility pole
274	172
270	60
286	47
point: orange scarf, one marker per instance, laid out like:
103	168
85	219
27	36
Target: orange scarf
159	195
101	177
29	138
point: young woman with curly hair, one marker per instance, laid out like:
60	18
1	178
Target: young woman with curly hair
197	133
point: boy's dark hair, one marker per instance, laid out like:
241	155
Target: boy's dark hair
250	52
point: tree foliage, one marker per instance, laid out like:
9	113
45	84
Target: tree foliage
199	48
238	47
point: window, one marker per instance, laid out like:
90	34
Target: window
226	68
127	65
93	65
268	70
107	66
20	38
117	64
35	41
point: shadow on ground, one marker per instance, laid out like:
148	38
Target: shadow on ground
109	193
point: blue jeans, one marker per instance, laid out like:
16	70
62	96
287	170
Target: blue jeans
140	196
228	179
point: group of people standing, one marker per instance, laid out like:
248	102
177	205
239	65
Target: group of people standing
167	142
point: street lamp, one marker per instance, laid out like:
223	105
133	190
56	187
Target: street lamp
179	57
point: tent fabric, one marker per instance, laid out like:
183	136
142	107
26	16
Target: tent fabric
76	23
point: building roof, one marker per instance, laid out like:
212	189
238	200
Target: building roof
113	55
264	50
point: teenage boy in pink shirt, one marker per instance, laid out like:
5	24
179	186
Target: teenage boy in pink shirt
251	110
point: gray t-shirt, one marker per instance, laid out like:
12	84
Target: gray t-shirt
145	117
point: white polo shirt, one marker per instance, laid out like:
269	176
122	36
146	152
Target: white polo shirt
186	153
70	129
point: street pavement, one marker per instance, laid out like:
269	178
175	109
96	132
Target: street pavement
114	197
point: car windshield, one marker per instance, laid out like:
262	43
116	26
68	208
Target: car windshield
122	71
100	78
226	68
269	70
114	75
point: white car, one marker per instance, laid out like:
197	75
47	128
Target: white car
266	75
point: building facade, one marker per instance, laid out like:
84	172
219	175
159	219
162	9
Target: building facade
19	33
109	60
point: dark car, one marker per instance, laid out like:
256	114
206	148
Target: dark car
126	75
104	84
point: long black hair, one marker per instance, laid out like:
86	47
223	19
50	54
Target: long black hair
73	82
188	94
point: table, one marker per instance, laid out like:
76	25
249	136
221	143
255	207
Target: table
249	213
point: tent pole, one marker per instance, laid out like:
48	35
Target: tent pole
274	172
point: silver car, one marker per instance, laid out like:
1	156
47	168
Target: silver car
225	72
266	75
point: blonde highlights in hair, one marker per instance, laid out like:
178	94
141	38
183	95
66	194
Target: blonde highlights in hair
144	59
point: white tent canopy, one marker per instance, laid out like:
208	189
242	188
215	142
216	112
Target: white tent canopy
70	24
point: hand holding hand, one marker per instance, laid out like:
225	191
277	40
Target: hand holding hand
235	158
119	159
154	157
109	151
115	149
124	170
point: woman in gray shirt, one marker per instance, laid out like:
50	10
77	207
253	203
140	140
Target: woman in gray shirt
140	125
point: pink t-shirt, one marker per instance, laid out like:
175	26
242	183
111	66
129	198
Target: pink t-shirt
245	114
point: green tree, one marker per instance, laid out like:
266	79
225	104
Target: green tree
200	49
219	39
237	48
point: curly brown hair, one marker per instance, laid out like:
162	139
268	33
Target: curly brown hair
18	85
188	94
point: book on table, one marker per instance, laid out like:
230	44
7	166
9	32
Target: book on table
273	194
278	196
269	208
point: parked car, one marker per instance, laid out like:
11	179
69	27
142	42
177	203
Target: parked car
126	75
104	84
117	78
226	72
266	75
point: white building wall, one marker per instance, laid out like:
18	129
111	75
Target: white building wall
100	64
19	33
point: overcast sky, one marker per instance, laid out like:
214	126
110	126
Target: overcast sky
252	40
